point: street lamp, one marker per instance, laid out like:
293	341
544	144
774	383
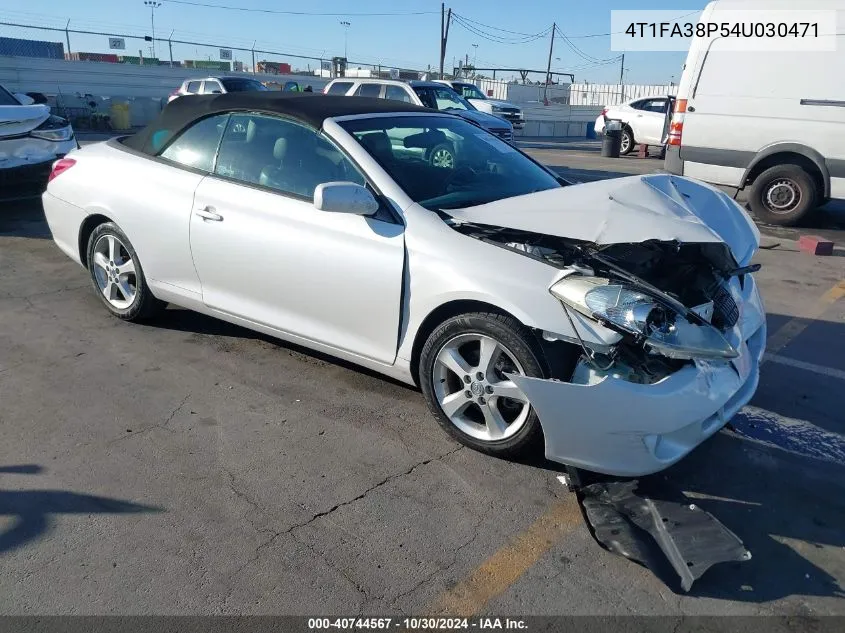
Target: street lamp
345	26
475	55
153	5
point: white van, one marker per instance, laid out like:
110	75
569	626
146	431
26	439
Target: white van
769	122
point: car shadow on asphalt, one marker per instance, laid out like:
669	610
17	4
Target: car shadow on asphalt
23	218
33	511
183	320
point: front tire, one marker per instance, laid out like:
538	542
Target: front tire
628	142
463	367
783	195
117	275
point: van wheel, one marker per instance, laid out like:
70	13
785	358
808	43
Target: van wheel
627	145
783	194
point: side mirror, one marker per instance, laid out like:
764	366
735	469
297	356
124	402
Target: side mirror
24	99
345	197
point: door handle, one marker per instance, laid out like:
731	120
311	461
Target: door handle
208	213
639	116
690	109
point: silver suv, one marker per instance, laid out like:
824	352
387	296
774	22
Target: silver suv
216	85
472	93
429	94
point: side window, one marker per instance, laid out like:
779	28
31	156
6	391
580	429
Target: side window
639	105
655	105
340	88
368	90
196	146
263	150
397	93
210	87
194	87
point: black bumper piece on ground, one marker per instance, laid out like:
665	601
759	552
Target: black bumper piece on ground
650	522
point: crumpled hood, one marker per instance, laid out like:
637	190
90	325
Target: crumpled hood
20	119
627	210
483	119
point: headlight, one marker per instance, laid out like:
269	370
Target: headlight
55	128
498	109
631	310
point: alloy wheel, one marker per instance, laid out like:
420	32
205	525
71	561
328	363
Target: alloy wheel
114	272
472	388
442	157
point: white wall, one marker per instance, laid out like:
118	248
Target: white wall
55	76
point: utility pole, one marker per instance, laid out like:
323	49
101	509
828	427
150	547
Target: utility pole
153	5
67	36
445	20
622	77
549	66
345	24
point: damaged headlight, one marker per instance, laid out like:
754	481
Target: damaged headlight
55	128
635	312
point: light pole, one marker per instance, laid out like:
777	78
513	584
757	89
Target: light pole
345	26
475	55
153	5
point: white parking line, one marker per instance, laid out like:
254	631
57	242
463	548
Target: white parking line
800	364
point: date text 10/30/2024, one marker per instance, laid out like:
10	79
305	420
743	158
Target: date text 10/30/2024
418	624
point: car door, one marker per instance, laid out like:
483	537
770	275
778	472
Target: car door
648	119
264	253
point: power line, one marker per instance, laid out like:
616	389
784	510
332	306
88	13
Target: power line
208	5
496	28
578	37
582	54
497	39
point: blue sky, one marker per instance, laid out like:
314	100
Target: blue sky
409	41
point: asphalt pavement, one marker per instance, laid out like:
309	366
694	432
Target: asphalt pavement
193	467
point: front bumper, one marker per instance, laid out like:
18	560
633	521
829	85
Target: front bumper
621	428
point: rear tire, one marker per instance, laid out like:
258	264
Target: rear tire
495	418
783	195
117	276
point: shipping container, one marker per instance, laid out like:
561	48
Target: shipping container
209	64
92	57
31	48
134	59
274	68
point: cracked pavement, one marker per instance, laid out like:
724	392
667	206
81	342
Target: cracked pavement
269	480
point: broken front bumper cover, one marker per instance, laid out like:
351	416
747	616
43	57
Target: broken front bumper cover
617	427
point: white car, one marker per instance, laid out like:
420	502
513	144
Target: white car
617	322
502	109
216	85
643	121
31	139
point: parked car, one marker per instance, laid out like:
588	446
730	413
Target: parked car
503	109
739	125
216	85
642	121
423	93
601	320
31	139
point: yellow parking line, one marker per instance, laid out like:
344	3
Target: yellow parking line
792	328
504	567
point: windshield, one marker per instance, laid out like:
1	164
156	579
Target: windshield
469	91
446	162
442	98
242	85
7	98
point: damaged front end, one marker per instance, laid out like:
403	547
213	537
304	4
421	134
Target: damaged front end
691	332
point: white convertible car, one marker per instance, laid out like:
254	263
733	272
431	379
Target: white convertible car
616	323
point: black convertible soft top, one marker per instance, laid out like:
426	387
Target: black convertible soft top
310	108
